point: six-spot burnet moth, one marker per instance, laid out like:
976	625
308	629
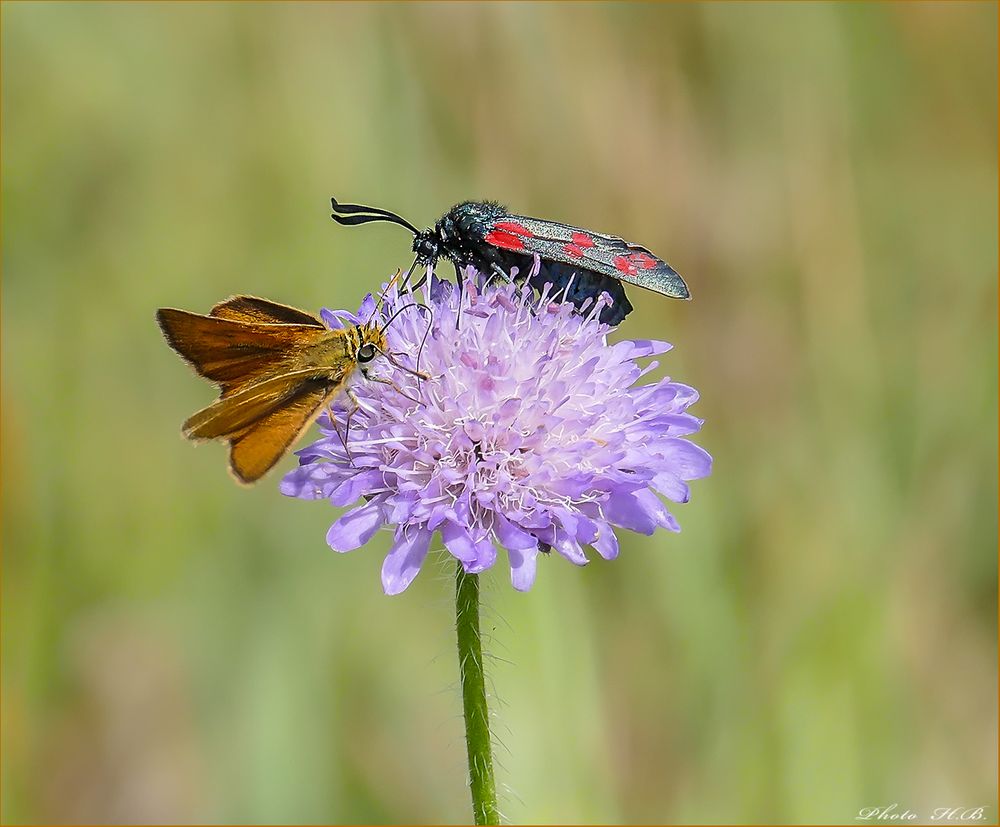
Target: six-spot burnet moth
484	235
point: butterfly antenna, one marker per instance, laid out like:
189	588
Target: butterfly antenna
392	318
423	340
381	297
350	214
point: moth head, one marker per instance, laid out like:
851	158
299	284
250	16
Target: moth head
427	246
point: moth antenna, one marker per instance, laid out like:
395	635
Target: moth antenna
349	209
349	220
352	214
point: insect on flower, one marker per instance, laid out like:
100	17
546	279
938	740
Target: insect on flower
536	435
483	235
277	368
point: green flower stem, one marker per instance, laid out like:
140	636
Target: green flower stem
477	718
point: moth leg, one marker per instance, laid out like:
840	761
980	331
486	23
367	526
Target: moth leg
420	282
404	285
497	270
461	297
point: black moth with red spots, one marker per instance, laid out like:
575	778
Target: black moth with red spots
484	235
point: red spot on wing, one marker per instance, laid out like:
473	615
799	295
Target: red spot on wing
508	241
626	265
573	250
582	240
514	228
644	260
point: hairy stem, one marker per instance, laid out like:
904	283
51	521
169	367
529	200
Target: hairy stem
477	719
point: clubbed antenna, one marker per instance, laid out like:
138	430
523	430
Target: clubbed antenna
423	339
349	214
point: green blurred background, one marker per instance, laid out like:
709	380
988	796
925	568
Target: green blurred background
822	635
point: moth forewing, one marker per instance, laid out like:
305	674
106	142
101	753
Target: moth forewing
486	236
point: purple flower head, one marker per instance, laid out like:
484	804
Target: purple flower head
531	435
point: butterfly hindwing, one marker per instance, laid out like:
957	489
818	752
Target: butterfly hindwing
254	451
231	414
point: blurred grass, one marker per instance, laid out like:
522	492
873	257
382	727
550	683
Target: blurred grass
820	638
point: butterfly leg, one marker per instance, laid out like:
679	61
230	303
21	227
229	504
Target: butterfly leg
383	381
347	424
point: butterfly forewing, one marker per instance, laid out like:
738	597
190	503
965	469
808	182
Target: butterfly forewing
253	309
231	353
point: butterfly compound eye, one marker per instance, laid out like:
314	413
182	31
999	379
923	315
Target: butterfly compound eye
366	353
